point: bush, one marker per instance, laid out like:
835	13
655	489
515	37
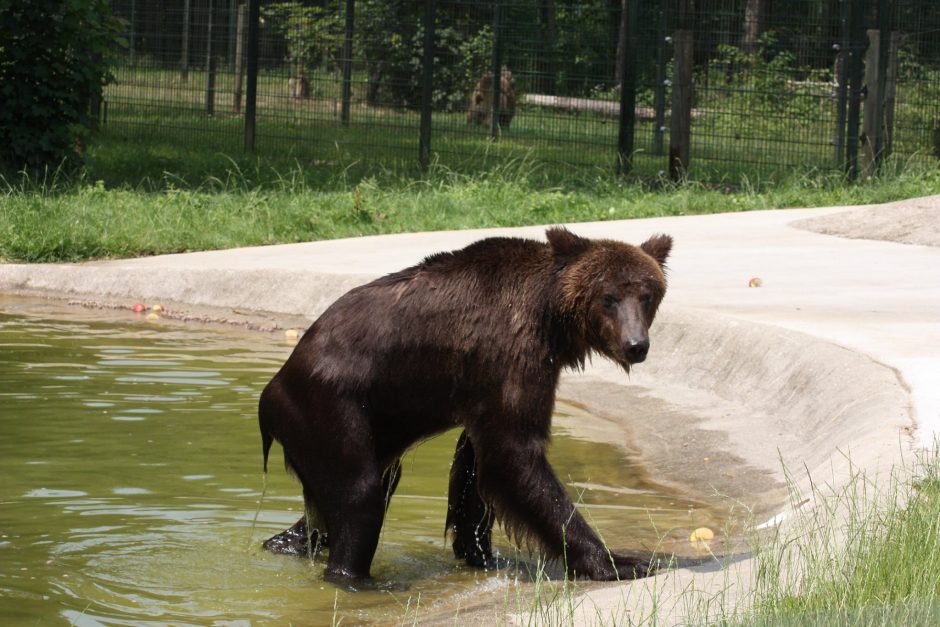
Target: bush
54	61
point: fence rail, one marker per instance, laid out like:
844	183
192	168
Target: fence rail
647	86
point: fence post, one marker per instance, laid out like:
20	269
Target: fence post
232	33
251	92
873	98
877	67
627	119
842	84
347	61
497	70
239	58
210	63
891	91
855	64
659	93
884	61
132	35
184	53
680	132
427	85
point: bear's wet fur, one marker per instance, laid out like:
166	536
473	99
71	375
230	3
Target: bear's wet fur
476	339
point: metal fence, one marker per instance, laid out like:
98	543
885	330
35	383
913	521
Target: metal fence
648	86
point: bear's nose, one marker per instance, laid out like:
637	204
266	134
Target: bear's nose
636	351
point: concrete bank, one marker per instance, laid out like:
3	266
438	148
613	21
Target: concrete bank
830	363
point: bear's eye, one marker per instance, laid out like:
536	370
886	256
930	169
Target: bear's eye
610	301
646	300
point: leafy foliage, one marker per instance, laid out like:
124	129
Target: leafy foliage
765	78
452	80
54	62
390	43
311	32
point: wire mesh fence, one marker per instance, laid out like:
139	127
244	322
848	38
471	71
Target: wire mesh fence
650	86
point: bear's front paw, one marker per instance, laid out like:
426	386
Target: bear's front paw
611	566
632	567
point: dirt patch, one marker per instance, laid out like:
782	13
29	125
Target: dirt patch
915	221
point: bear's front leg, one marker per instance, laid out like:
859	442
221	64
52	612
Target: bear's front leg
530	501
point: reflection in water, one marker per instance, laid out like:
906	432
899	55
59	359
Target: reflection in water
130	478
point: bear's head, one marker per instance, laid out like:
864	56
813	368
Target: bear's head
610	291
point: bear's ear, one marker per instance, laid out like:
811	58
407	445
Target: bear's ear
565	243
658	248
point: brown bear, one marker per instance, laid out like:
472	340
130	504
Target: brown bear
480	109
476	339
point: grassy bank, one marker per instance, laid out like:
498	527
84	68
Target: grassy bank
870	557
124	205
867	555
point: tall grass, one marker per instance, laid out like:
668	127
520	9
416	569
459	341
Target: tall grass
869	556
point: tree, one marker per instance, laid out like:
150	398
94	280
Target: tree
55	58
313	33
754	13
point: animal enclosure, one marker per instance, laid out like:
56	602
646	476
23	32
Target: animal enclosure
714	87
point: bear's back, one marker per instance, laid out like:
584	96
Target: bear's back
486	300
485	269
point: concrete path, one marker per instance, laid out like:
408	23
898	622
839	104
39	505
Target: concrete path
804	395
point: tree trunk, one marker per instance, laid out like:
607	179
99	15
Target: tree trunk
753	25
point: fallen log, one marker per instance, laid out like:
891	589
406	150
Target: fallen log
607	108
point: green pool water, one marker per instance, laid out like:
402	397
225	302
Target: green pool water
130	480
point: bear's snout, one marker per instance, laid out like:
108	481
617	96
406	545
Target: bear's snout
635	352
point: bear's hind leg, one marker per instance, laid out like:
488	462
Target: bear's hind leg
307	536
354	512
468	518
297	540
343	478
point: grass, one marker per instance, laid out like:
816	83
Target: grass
138	199
870	556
